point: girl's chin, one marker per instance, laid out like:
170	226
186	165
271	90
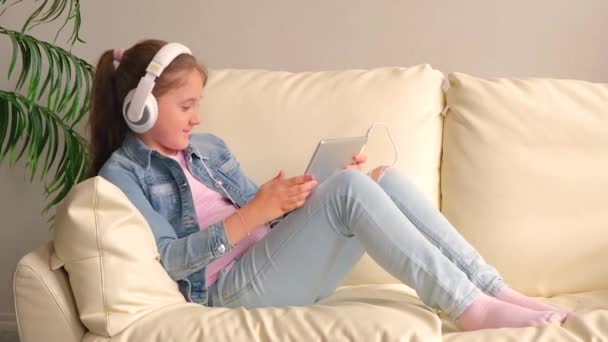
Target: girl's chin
174	148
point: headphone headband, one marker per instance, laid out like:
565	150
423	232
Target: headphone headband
165	56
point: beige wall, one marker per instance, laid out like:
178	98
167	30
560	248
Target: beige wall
548	38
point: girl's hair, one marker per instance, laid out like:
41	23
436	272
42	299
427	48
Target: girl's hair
110	87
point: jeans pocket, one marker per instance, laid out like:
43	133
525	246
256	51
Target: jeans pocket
231	295
235	299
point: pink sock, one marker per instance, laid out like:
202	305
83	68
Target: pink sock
507	294
490	313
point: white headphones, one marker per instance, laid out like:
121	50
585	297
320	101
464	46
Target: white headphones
140	109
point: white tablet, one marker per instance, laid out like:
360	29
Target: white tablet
332	154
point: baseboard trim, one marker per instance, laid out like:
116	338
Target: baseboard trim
8	321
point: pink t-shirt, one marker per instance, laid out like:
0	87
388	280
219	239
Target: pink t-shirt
211	208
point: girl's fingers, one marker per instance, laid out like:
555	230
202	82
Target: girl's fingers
360	158
353	166
298	180
299	198
357	163
295	190
377	172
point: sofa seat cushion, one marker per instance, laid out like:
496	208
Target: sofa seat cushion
384	312
358	313
588	322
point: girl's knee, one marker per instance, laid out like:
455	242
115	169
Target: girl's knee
350	176
346	179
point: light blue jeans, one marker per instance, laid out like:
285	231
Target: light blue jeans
307	255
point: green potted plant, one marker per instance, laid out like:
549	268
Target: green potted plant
51	96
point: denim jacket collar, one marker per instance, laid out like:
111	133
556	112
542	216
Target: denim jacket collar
142	154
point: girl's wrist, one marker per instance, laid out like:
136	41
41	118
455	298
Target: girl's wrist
238	225
251	214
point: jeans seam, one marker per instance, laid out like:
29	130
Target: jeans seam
495	288
429	233
462	305
417	262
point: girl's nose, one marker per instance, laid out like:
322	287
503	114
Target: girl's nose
195	120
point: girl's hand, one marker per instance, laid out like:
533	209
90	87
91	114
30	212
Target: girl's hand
357	163
280	195
377	172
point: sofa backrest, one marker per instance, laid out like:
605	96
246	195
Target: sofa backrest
525	178
272	120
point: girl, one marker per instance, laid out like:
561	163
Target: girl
212	224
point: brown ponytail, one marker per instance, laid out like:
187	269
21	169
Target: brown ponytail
110	87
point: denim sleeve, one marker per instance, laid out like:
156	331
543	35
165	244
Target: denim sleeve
179	256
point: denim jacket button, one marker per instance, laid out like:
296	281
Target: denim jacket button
221	248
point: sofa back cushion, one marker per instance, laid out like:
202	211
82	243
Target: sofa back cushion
525	176
273	120
109	253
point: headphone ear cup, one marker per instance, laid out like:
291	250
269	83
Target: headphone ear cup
144	121
151	112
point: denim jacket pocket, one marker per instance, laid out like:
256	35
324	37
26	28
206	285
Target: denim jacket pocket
228	166
164	198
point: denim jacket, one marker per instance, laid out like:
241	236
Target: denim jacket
158	187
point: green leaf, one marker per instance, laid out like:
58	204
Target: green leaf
68	81
25	60
77	21
74	95
34	132
29	126
25	125
32	17
54	89
42	144
37	65
13	134
39	130
18	125
52	151
62	91
4	116
15	52
52	10
57	178
66	20
87	98
37	141
50	73
58	81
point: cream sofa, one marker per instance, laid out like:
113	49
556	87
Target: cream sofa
519	166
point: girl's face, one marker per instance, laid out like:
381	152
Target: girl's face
178	112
